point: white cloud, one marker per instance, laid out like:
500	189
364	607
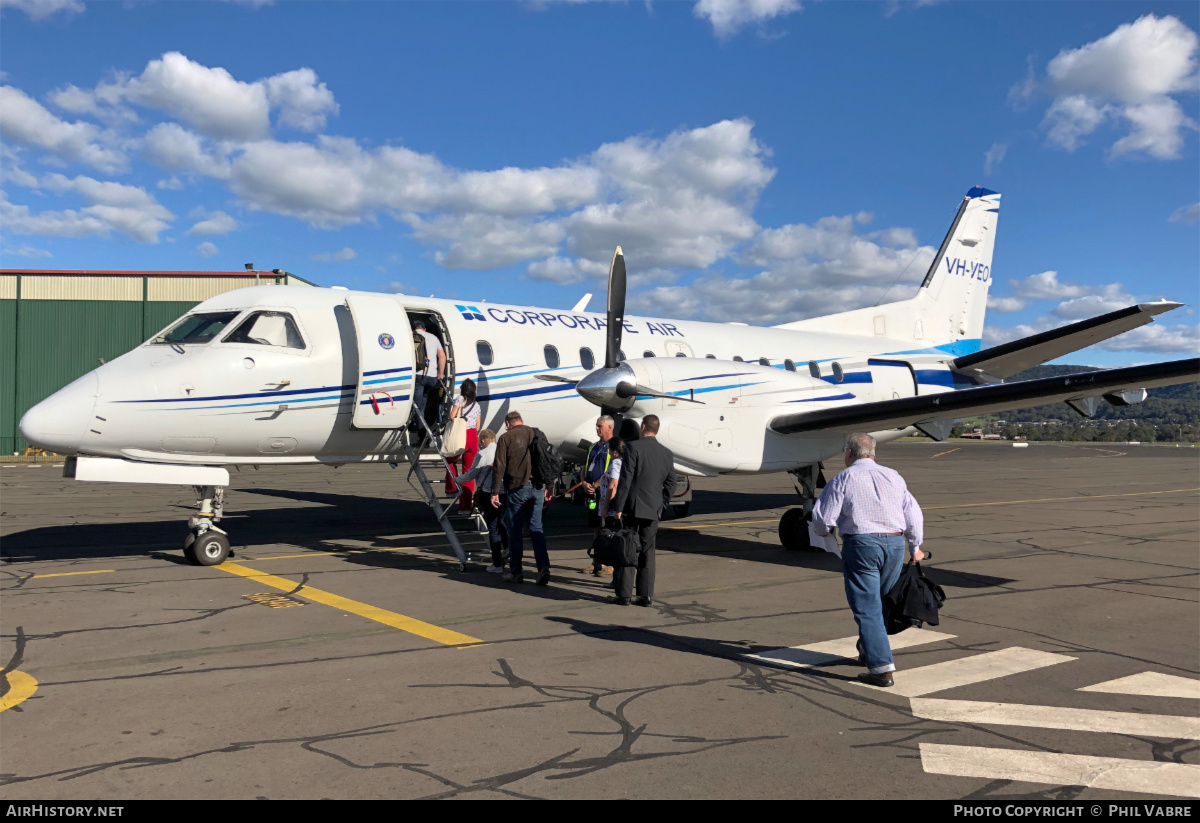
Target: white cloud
566	270
207	249
303	102
336	256
809	270
1186	214
1045	286
130	210
209	99
1158	338
172	147
486	241
18	219
216	223
172	183
1005	304
26	121
41	9
1127	76
1103	300
29	251
993	157
729	16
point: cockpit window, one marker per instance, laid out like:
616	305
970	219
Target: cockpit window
196	329
268	328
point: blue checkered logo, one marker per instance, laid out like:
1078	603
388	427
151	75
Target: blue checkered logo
470	312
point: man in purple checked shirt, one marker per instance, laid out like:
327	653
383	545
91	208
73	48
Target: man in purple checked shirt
870	506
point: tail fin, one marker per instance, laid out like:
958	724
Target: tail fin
948	310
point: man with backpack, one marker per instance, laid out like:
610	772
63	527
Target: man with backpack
428	355
526	462
871	507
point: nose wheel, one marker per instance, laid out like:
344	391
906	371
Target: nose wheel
207	545
209	548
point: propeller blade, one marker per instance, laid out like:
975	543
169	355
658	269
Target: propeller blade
616	308
627	390
555	378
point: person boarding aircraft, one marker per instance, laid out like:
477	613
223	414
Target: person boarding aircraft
313	376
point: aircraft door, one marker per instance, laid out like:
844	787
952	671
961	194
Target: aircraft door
385	362
677	348
892	379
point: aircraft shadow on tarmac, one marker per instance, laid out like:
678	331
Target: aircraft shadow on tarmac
383	523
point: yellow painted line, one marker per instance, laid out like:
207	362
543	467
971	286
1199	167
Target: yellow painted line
68	574
21	687
1056	499
323	554
716	525
939	454
387	618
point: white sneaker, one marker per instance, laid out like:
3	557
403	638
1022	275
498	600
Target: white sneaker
496	569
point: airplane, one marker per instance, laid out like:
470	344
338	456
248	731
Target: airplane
324	376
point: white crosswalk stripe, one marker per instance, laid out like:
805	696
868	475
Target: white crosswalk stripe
1150	684
1172	727
967	670
831	651
1112	773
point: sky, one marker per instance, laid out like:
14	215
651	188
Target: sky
759	161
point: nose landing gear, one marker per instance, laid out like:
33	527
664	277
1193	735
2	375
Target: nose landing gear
793	526
206	544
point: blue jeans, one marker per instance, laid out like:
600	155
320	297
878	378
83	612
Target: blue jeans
525	510
871	565
422	385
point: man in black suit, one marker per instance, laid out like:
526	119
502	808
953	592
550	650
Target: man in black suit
646	485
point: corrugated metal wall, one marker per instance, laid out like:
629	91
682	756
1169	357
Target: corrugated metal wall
55	328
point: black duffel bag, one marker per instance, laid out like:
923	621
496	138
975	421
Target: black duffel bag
615	547
913	601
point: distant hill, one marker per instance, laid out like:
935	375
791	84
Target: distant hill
1171	413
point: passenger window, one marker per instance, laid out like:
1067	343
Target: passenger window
814	369
738	359
551	356
197	328
620	356
483	351
680	354
586	359
838	374
268	328
762	361
789	365
647	354
710	357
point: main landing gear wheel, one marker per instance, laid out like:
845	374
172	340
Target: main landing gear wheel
208	549
793	531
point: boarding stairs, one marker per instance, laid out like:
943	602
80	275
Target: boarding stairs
428	452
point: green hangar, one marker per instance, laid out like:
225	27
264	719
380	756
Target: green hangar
56	326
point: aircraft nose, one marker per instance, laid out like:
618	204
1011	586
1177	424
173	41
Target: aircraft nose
58	423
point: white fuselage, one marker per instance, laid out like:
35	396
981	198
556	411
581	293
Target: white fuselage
246	403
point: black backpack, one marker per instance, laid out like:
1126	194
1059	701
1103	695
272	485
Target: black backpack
913	601
546	462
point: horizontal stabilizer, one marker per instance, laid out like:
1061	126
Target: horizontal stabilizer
911	411
1009	358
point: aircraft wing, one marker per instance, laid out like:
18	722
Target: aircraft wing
1009	358
912	411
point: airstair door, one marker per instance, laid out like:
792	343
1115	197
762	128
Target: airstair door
892	379
385	362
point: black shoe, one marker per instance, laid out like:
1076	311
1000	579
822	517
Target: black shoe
543	577
882	679
618	601
642	601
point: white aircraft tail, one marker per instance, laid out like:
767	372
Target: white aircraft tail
948	310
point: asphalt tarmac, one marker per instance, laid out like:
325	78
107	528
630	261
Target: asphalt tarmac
340	654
